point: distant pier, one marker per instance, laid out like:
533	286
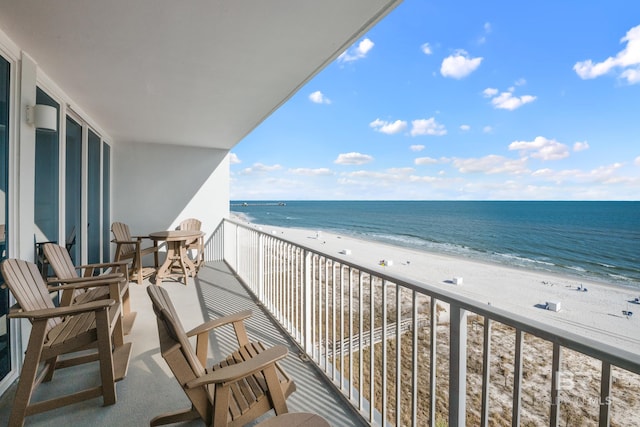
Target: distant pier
260	204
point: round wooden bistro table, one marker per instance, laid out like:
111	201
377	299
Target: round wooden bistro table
177	258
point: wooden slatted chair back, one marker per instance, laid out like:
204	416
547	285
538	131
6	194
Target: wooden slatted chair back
28	287
60	261
192	224
121	233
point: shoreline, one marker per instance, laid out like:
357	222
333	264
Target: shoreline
509	260
597	313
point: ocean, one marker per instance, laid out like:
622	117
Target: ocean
597	241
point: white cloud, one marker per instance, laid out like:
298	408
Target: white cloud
233	159
319	98
259	168
506	100
487	29
389	128
311	172
637	161
492	164
490	92
601	175
487	129
426	49
420	161
416	147
353	159
427	127
520	82
541	148
357	52
400	171
465	128
632	75
628	60
580	146
459	65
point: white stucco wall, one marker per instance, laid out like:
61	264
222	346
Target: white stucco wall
155	186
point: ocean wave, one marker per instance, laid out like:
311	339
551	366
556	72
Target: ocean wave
523	259
416	242
607	265
576	268
620	277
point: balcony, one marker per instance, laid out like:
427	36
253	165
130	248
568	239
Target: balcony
482	366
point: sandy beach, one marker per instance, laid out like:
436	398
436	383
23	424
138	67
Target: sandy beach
597	312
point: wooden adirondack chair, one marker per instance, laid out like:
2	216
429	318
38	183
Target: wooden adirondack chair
231	393
67	273
130	248
195	244
60	331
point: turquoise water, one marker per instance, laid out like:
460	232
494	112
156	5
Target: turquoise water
593	240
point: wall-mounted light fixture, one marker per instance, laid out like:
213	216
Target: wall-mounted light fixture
43	117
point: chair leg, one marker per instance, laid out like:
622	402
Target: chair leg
276	395
107	374
126	303
222	397
28	374
118	332
50	366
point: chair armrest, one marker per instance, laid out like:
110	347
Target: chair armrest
241	370
220	321
133	242
109	276
47	313
103	264
81	284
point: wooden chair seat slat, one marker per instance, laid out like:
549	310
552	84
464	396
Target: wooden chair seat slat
72	327
255	388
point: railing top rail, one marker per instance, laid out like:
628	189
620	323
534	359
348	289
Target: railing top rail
616	356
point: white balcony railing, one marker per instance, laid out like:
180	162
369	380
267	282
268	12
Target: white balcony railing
447	359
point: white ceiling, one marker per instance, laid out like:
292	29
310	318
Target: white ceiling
190	72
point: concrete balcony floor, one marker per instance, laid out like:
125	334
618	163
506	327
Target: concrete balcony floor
150	389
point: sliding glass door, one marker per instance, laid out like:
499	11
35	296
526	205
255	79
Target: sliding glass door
47	172
93	199
106	202
73	190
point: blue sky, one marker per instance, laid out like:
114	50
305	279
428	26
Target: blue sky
448	100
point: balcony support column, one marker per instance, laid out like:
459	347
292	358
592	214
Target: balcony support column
457	366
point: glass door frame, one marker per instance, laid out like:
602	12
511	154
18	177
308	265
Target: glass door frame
15	340
84	208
